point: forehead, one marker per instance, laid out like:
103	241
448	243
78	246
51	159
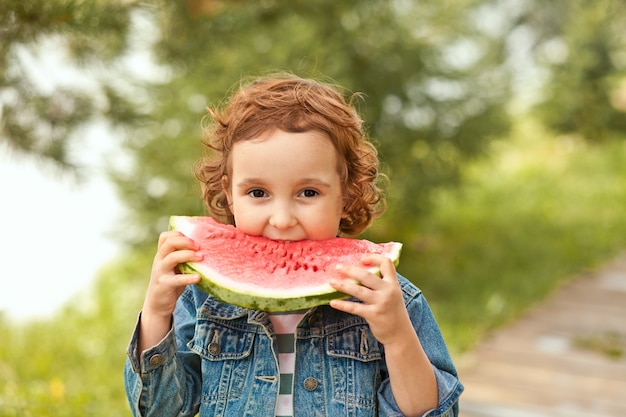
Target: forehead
279	148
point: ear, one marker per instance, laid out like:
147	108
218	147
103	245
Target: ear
344	209
227	190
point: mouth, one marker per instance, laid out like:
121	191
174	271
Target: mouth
283	239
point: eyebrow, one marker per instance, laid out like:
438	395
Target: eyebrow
315	181
247	182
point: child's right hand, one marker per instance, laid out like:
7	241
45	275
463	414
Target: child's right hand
166	285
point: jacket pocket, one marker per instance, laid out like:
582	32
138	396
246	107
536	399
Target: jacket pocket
225	349
355	365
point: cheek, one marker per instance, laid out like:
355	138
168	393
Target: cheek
237	208
327	226
247	219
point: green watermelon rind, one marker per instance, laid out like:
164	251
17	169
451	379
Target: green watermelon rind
269	302
276	303
259	302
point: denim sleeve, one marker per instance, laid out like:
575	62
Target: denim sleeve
165	380
448	385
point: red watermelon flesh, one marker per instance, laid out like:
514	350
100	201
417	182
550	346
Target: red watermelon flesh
270	275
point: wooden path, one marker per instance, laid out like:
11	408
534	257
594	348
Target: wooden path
564	358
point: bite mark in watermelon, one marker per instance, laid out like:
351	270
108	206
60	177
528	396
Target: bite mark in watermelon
262	274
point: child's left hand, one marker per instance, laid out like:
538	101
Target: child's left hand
383	306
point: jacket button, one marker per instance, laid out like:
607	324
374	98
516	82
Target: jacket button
310	384
156	359
214	349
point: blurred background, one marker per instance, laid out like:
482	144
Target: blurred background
502	125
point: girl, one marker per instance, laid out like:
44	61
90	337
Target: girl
289	161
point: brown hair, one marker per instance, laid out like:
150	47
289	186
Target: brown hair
293	104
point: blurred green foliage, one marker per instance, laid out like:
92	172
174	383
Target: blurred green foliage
534	212
586	56
493	219
41	116
539	211
435	90
71	364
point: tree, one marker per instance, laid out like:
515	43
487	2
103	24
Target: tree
582	45
435	90
41	117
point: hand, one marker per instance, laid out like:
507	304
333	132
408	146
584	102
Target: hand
166	285
166	281
383	306
410	372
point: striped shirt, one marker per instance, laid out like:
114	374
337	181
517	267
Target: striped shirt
284	327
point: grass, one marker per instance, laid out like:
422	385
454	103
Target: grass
610	344
71	364
535	212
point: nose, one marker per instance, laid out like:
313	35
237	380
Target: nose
282	217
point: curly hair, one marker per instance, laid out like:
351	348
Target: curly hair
287	102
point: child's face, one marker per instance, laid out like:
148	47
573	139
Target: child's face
286	186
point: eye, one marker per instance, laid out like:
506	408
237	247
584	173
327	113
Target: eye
257	193
309	193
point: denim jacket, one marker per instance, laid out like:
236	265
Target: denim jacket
221	360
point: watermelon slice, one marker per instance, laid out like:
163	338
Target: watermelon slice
263	274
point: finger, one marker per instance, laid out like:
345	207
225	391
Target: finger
363	276
350	307
170	236
181	257
168	282
169	265
354	288
384	265
171	241
187	279
387	269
